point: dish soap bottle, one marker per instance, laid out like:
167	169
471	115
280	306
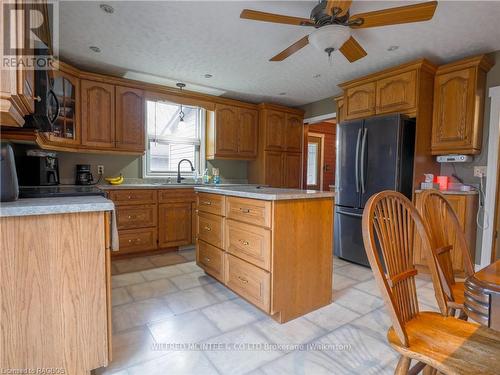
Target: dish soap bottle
216	174
206	177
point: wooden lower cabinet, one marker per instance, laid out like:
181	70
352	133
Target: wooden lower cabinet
154	219
275	254
174	224
55	292
465	207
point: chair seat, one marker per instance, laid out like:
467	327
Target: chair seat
450	345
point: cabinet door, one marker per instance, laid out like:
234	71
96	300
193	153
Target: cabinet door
360	101
226	130
247	133
130	127
454	95
274	129
67	125
98	114
26	76
174	224
273	168
397	93
293	133
292	170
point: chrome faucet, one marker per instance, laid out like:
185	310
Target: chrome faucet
179	178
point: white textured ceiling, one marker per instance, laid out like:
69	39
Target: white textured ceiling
182	41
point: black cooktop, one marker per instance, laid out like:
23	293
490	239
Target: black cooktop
58	191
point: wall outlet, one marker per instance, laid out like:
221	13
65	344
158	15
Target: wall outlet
480	171
100	169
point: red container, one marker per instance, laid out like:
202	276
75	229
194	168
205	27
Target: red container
443	182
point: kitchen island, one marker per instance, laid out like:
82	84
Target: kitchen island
271	246
55	284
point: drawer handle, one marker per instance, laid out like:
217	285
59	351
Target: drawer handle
243	242
207	203
207	259
208	229
245	210
132	216
137	240
129	197
243	280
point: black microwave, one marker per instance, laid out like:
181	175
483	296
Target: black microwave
47	105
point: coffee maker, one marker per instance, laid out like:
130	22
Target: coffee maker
38	168
83	175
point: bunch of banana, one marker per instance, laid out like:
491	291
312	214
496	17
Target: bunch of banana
115	180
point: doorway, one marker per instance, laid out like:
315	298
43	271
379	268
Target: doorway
315	160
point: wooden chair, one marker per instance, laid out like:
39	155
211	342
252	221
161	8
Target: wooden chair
444	229
437	342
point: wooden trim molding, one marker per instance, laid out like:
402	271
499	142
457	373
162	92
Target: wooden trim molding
492	177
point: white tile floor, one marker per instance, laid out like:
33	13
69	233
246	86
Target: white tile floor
179	304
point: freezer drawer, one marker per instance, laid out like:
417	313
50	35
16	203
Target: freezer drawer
348	239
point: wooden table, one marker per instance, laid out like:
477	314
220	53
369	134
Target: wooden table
482	296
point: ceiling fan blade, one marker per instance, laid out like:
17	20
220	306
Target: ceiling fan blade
394	16
341	4
292	49
274	18
352	50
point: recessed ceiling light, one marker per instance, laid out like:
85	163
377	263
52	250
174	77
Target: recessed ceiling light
392	48
95	49
208	75
316	75
107	8
282	93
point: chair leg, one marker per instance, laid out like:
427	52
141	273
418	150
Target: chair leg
403	366
452	312
462	315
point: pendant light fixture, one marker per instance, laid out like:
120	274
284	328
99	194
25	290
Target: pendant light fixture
181	85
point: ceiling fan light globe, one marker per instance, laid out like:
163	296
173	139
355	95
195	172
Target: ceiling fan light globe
329	36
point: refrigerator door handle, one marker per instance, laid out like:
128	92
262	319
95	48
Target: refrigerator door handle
348	213
363	150
356	168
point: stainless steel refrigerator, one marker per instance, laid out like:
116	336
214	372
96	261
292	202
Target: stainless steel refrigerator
373	155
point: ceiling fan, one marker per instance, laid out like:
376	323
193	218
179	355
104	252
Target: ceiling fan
333	25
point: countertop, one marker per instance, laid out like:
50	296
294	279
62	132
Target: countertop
126	186
265	193
454	192
59	205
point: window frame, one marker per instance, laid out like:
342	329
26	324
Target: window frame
200	156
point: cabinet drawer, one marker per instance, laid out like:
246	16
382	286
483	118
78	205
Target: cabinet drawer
211	203
129	217
176	195
210	228
250	211
249	281
120	197
248	242
211	260
135	240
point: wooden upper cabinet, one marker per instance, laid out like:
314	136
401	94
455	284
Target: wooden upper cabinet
130	126
397	93
226	133
292	170
340	109
273	168
274	130
248	132
360	101
459	90
98	114
293	133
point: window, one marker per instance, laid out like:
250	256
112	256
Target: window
170	140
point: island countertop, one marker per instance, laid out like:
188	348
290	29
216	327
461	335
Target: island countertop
265	193
60	205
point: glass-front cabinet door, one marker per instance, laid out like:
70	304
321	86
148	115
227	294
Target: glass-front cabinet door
66	127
